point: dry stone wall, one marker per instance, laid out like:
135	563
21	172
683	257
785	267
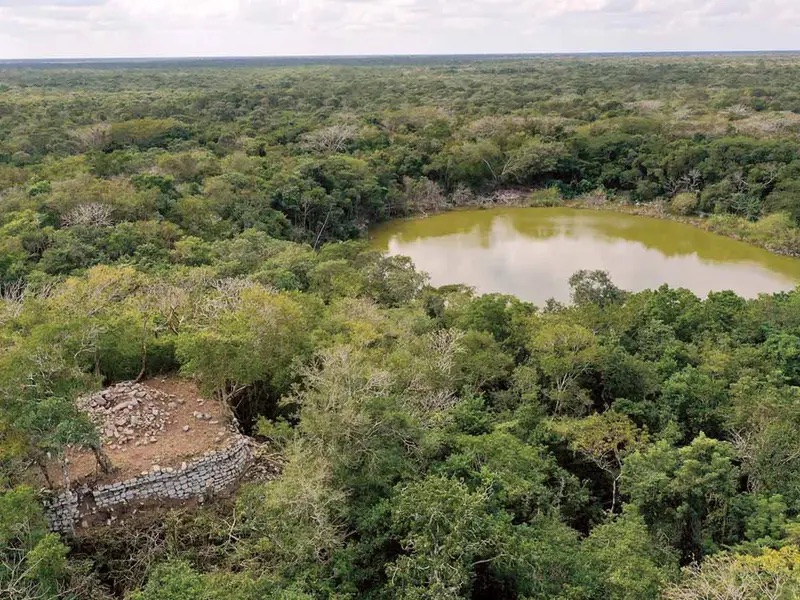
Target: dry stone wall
214	472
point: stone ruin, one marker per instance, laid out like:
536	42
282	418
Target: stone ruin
132	413
212	473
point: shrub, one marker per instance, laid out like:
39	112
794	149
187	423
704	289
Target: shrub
775	232
683	204
545	198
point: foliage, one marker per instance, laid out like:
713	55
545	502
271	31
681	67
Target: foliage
771	575
683	204
435	443
632	564
32	561
594	287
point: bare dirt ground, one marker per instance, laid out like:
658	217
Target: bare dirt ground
185	426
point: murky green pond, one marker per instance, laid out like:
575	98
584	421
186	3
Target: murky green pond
531	252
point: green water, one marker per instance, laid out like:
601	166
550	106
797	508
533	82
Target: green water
531	252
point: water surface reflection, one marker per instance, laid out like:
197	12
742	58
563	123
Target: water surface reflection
531	252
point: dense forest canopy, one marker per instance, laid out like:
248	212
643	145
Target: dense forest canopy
317	153
208	220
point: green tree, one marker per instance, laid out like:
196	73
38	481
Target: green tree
247	334
604	439
772	575
32	561
629	562
594	287
564	352
684	494
447	531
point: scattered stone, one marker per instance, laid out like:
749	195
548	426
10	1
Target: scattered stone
186	428
130	413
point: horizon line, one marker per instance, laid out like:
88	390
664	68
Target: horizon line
545	53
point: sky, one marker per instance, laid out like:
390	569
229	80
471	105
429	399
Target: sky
159	28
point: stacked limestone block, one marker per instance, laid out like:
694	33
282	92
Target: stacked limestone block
62	511
211	473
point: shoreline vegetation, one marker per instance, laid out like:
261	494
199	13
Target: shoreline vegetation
775	232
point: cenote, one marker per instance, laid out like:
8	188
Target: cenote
531	252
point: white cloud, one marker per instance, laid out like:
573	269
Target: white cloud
36	28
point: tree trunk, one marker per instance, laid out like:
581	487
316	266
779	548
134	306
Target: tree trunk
65	472
142	372
43	468
102	460
322	229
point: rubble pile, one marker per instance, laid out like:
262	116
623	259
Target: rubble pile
130	413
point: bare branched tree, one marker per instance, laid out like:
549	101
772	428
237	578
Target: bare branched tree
329	139
172	304
736	577
739	110
739	182
94	137
92	214
432	388
423	195
12	299
493	126
445	345
462	196
690	182
225	297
